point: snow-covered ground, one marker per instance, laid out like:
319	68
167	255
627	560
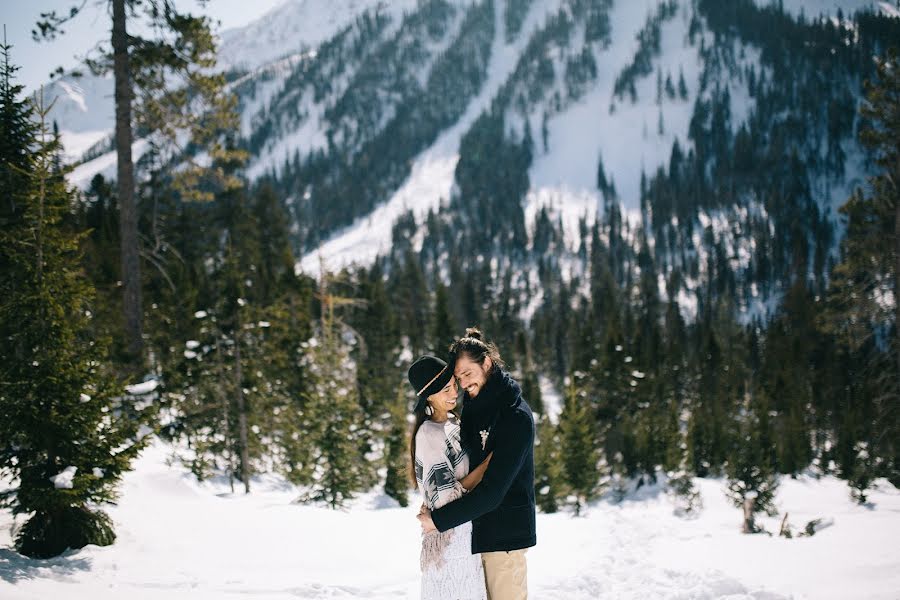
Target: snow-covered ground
181	539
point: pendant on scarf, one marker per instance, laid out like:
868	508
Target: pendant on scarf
484	436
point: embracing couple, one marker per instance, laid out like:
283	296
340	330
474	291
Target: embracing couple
475	470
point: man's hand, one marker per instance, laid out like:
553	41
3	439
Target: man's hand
425	520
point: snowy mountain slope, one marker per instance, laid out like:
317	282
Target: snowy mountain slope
662	75
282	103
181	539
266	81
84	107
370	65
82	104
84	111
104	165
597	125
624	134
294	26
431	181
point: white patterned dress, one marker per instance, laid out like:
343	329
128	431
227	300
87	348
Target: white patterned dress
449	569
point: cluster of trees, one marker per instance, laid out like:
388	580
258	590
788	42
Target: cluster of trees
66	437
314	76
736	389
549	59
649	39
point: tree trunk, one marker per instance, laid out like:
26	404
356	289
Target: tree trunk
131	266
225	414
749	521
241	405
897	269
784	530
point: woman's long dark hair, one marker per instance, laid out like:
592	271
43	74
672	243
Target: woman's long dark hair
421	417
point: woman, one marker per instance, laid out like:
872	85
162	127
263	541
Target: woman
440	469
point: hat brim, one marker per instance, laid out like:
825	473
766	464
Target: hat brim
435	386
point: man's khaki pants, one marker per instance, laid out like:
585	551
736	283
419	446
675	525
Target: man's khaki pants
505	575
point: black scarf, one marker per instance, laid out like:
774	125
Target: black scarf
481	413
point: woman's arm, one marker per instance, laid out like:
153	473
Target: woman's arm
474	477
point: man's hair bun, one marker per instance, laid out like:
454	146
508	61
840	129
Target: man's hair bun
475	333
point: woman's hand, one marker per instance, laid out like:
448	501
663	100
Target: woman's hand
424	517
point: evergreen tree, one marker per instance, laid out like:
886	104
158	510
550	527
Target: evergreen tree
202	402
682	86
376	324
752	481
411	297
64	436
578	444
444	331
857	311
276	260
396	483
98	215
862	473
182	45
333	417
531	391
688	501
548	477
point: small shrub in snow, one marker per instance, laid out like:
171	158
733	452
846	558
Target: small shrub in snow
685	495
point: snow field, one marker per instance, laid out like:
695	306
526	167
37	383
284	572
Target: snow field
181	539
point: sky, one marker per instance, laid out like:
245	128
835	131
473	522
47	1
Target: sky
37	60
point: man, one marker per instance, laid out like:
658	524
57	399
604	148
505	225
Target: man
496	419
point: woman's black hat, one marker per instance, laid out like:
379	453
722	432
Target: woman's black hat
427	376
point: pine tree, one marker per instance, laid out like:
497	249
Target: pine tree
531	391
376	323
688	501
752	481
680	477
444	331
182	47
862	473
99	215
234	384
788	377
578	444
682	86
410	296
203	411
65	439
334	418
276	260
396	483
721	373
548	479
861	309
659	86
